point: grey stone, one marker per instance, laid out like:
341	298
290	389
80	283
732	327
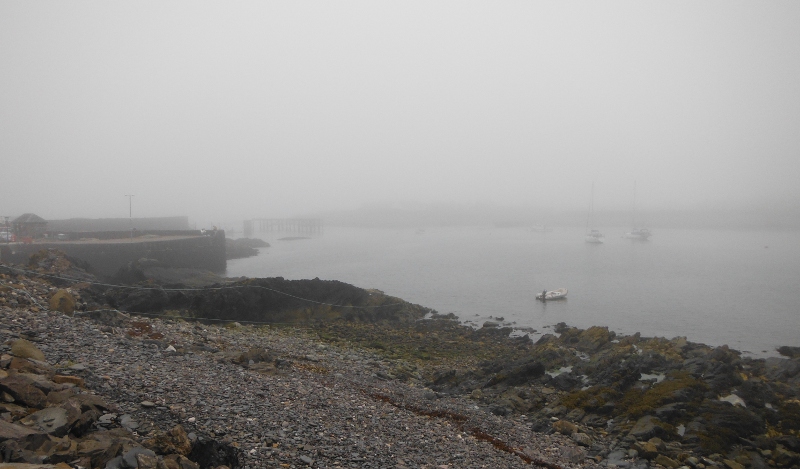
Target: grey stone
12	431
582	439
52	420
617	458
129	458
115	463
646	427
574	454
127	421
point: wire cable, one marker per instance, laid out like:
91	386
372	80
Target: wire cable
138	287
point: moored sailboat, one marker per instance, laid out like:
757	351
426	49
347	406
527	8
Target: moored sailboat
592	235
641	234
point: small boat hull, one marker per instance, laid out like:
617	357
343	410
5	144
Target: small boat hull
642	234
557	294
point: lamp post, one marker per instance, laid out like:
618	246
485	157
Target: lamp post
130	213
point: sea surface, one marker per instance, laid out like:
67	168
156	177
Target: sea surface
740	288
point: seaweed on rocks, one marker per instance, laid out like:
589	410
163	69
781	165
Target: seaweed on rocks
212	454
276	386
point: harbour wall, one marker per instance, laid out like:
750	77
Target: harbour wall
185	248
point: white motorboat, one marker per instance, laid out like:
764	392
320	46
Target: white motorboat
557	294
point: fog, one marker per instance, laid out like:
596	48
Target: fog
233	110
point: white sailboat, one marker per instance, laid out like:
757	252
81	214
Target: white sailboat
641	234
593	235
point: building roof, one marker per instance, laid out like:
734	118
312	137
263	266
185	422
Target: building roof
29	218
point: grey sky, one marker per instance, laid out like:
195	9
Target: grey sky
230	110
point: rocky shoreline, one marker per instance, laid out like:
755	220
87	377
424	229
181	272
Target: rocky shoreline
379	383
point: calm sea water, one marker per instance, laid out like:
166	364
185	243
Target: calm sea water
740	288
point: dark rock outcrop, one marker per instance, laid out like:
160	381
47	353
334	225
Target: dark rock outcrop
243	247
270	300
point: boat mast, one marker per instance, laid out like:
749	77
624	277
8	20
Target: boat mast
633	210
590	218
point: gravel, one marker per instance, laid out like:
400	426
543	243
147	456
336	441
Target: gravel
309	404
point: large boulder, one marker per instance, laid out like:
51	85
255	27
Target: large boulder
52	420
13	431
648	427
23	390
62	301
23	349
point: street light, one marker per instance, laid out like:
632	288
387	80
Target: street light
130	213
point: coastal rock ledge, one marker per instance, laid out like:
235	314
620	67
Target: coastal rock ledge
327	386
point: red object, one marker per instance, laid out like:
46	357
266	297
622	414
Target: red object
27	240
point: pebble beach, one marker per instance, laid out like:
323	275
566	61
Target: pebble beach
321	406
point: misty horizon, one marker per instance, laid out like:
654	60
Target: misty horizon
247	110
415	216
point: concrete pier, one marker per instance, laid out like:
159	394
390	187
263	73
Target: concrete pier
307	226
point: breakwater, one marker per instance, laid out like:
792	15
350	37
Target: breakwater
107	252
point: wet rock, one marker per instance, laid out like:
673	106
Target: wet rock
646	449
177	461
791	352
671	410
589	340
243	247
781	368
783	457
582	439
647	427
727	423
128	422
146	461
214	453
790	442
565	382
574	454
671	463
757	393
594	420
129	459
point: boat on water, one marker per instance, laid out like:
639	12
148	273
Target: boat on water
595	236
641	234
592	235
557	294
541	229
